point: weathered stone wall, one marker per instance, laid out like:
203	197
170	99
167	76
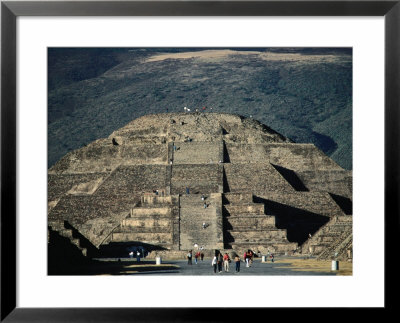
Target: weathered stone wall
333	181
237	198
299	157
94	217
258	236
249	221
315	202
197	153
245	208
102	156
153	200
148	211
264	178
203	179
246	153
155	238
59	185
129	181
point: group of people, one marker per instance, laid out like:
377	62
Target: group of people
137	253
196	110
198	255
225	260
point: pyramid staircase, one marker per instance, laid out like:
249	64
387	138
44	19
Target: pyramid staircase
150	223
246	226
333	240
65	230
193	215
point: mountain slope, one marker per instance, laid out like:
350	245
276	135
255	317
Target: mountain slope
304	94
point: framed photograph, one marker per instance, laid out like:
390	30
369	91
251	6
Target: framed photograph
356	43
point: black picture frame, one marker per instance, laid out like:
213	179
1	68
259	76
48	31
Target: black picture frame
10	10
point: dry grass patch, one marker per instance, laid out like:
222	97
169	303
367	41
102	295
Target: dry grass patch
299	264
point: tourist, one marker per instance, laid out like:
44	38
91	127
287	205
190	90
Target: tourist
248	257
226	262
214	264
205	205
138	256
196	256
204	225
202	197
189	257
187	190
219	262
251	255
272	257
201	256
237	262
245	259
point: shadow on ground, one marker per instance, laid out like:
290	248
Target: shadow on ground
96	267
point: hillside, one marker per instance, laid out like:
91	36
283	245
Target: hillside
304	94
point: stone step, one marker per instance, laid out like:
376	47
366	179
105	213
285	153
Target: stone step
150	211
248	227
84	251
256	222
148	222
56	225
67	233
143	237
255	235
149	200
193	214
271	246
238	209
141	229
247	216
238	198
76	242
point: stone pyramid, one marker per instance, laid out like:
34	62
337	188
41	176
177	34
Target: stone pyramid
177	181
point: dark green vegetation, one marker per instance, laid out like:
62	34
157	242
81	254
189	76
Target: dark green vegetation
93	92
